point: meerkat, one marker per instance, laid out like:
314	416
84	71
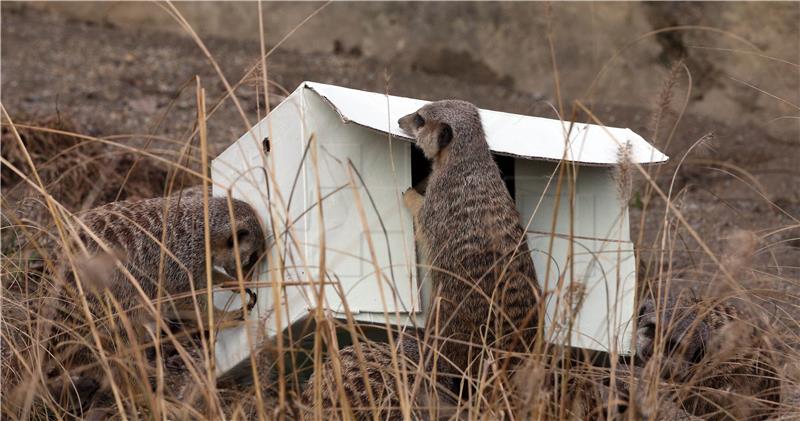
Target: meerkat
369	384
356	388
718	362
131	234
117	262
483	276
468	228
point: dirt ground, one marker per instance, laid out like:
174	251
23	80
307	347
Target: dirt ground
116	81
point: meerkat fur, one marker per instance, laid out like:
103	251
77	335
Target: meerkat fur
121	259
369	384
468	228
719	360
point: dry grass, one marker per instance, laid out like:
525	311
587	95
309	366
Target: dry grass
50	173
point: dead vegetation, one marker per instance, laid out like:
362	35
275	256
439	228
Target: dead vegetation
723	344
76	170
719	364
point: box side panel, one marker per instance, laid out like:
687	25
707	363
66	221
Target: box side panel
582	252
262	180
368	234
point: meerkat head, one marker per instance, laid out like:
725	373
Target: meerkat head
243	231
671	328
440	125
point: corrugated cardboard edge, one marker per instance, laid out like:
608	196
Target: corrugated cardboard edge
346	120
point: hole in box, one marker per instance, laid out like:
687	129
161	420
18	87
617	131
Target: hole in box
265	144
506	166
421	167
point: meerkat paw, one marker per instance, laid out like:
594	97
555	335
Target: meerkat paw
413	201
241	313
187	311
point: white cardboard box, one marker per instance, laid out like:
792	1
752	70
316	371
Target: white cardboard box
363	156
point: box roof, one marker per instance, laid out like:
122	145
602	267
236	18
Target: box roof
507	134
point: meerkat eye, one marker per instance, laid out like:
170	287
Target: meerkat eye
642	311
649	330
418	120
241	235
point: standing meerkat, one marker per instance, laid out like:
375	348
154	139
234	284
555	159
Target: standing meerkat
133	268
720	363
467	225
484	282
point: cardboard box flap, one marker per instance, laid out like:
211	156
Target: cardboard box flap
507	134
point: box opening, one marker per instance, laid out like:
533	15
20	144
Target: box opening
421	168
506	166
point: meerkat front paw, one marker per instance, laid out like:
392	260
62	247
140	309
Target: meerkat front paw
413	201
241	313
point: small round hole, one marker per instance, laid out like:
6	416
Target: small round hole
265	144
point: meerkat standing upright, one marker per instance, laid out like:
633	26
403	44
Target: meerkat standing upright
483	275
469	229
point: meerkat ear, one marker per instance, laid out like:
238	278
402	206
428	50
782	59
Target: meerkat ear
445	135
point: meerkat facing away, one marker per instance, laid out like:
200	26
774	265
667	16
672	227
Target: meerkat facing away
468	228
373	373
719	362
133	269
